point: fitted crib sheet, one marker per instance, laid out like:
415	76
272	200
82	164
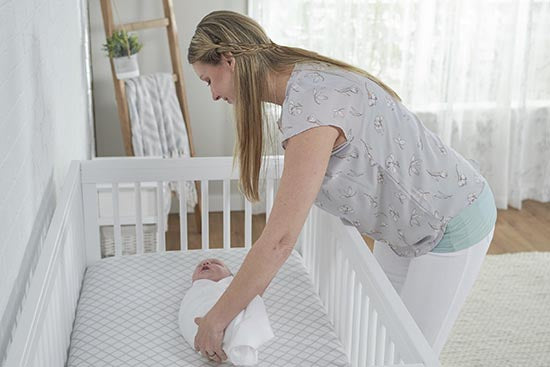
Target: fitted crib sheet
127	314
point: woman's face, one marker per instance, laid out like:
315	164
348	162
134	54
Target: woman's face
213	269
219	77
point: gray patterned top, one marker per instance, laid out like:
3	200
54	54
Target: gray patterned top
393	178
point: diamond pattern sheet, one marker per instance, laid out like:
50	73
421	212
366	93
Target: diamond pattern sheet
127	314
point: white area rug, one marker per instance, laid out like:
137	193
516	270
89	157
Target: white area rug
506	319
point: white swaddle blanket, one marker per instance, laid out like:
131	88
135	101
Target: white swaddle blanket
244	334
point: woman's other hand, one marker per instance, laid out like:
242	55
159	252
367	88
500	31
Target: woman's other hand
209	338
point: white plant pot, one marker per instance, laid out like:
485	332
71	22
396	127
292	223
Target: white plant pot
126	66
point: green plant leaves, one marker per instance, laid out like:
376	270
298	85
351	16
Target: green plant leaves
122	44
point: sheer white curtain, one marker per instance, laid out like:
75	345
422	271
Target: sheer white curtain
477	72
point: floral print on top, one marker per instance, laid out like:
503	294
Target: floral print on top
393	178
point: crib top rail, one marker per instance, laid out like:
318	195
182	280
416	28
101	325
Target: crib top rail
143	169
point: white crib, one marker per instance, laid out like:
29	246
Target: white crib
370	320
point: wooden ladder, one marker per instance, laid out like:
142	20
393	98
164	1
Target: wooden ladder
168	22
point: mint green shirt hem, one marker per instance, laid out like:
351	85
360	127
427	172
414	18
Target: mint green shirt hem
470	225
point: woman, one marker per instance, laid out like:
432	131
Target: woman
353	149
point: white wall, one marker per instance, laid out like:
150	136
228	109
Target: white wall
212	131
44	125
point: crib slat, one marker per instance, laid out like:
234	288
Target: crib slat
341	295
371	342
324	283
116	219
380	343
363	346
305	248
356	328
66	325
390	352
337	290
66	293
318	254
60	325
247	223
331	286
268	197
348	321
183	217
161	245
346	304
204	213
307	251
139	219
226	213
313	239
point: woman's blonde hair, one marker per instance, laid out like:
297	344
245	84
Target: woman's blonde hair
256	57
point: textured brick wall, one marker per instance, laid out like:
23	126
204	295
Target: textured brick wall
43	126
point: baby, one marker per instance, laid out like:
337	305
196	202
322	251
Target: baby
213	269
244	334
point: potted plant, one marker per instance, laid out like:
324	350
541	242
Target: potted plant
123	48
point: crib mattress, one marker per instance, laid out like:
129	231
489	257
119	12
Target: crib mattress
127	314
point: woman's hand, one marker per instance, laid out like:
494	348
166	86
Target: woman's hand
208	340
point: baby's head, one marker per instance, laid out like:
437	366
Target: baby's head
213	269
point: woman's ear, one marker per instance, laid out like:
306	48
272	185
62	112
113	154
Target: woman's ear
229	60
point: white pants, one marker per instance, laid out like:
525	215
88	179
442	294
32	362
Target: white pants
434	286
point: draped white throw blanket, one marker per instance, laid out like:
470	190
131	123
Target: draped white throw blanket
249	330
158	128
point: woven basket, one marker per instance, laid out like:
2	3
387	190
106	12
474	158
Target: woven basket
129	241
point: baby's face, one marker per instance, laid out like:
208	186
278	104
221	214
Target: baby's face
213	269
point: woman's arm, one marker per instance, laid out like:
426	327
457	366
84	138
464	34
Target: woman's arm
306	159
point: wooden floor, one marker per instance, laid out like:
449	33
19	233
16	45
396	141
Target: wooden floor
522	230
